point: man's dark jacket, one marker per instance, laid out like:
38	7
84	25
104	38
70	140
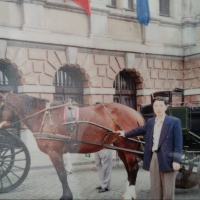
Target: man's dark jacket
170	143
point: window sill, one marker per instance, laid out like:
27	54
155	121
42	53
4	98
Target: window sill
110	6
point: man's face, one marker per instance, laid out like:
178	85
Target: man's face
159	108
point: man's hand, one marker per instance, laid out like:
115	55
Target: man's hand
121	133
4	124
176	166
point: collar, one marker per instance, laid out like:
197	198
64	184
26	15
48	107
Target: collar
160	120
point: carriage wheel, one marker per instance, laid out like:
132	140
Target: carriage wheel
186	161
14	162
198	173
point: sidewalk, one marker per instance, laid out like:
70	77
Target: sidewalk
42	160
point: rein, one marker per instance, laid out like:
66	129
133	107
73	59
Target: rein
33	115
68	139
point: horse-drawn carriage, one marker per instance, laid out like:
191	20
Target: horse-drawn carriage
93	130
189	114
14	160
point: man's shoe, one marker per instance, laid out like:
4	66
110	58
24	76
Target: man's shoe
103	190
98	187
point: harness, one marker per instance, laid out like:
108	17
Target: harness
71	118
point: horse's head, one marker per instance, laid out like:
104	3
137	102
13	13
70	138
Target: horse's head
7	113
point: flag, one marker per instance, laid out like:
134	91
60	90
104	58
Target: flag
85	4
143	14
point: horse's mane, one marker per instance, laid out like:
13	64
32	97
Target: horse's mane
32	102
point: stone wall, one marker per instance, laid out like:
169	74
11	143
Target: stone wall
37	68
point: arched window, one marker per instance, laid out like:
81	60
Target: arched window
68	83
125	89
8	77
164	8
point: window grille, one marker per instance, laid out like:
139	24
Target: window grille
112	3
125	89
69	85
124	81
8	77
128	4
164	8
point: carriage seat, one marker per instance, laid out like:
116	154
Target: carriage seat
147	111
195	117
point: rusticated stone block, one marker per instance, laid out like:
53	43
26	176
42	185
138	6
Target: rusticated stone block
107	83
197	72
175	65
87	100
193	64
162	74
81	59
187	99
194	83
191	74
89	62
61	57
180	65
107	98
26	68
121	62
96	98
101	71
31	79
195	98
101	60
140	86
177	84
179	75
158	84
49	70
186	74
37	54
96	82
11	53
53	59
167	84
154	74
114	65
47	96
87	84
38	66
167	64
149	84
171	75
138	79
158	64
110	73
141	100
143	71
22	57
187	65
187	84
150	63
45	80
92	72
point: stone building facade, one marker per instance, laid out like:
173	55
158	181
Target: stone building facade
39	37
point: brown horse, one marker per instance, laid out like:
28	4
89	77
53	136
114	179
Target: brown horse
111	116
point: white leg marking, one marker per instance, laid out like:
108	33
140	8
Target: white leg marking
130	192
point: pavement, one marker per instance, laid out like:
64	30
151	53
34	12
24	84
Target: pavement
42	182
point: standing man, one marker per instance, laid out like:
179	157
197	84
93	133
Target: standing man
163	149
103	160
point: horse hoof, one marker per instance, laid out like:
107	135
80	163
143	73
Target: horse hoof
66	198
